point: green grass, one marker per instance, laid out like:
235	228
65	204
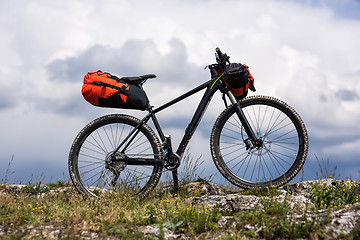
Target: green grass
275	221
261	192
122	216
112	215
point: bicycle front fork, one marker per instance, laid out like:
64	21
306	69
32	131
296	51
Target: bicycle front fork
252	141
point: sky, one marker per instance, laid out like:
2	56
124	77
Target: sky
306	53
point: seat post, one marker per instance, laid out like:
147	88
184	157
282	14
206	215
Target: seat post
176	180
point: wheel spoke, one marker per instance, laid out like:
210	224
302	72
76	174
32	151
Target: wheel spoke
92	165
251	165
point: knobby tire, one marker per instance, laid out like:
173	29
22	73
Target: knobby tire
97	140
284	150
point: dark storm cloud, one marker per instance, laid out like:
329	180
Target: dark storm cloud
8	98
347	95
71	105
6	102
98	57
133	58
318	142
341	9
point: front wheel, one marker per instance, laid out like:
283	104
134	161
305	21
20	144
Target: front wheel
273	163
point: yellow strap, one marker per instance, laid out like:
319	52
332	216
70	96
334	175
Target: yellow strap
216	80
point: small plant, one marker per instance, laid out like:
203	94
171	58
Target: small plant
60	183
325	170
190	168
151	217
355	232
35	188
335	195
5	179
197	220
261	192
180	215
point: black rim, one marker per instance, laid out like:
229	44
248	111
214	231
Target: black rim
96	169
281	143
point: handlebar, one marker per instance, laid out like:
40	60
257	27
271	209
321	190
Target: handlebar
219	53
221	58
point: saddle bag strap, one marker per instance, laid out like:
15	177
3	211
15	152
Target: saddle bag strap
121	89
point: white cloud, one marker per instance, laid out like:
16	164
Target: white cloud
302	53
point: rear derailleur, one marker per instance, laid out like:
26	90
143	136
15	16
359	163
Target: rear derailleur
116	167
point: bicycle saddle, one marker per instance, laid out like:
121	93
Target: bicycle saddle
138	79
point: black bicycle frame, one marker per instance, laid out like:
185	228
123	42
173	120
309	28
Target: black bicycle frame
211	87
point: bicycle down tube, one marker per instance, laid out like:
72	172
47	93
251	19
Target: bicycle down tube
211	89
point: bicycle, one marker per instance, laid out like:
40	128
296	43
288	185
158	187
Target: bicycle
256	142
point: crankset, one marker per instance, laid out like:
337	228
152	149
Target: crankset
172	162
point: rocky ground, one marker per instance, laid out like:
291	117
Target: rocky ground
342	220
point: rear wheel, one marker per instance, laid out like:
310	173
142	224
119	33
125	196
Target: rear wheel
273	162
92	167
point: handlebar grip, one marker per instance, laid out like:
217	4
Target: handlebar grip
219	53
221	58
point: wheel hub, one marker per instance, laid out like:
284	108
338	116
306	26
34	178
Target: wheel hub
259	147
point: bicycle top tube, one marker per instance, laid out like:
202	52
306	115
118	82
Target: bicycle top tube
184	96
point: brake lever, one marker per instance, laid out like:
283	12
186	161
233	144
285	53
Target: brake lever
221	58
